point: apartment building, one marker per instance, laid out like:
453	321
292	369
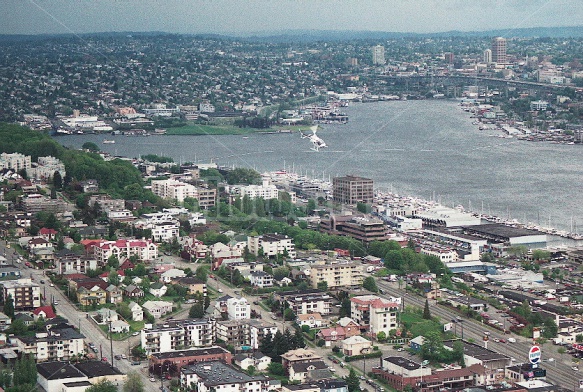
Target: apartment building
184	358
352	189
15	161
165	232
178	334
238	308
379	314
260	279
173	189
72	263
57	344
336	275
358	227
271	245
24	292
306	302
145	250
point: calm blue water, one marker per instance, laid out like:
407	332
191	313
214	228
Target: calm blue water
423	148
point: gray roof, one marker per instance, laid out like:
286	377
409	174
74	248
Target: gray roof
302	367
57	370
218	373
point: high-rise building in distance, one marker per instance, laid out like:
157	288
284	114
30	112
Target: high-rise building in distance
488	56
352	189
378	55
448	57
499	50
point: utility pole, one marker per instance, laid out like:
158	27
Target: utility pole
111	343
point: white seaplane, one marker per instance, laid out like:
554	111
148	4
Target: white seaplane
317	142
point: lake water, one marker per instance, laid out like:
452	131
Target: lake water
423	148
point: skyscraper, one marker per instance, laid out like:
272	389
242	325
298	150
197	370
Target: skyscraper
499	50
488	56
378	55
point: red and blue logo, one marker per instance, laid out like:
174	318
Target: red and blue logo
534	354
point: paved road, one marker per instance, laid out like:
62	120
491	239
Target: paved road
91	331
558	373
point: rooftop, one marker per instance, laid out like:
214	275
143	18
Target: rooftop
190	353
218	373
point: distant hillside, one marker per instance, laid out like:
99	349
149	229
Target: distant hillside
329	35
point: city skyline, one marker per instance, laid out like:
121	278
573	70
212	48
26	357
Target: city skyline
253	17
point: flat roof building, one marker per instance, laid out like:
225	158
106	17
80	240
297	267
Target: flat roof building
352	189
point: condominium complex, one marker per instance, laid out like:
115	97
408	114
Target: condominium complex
271	245
24	293
144	249
306	302
352	189
265	190
178	334
336	275
178	190
15	161
358	227
379	314
56	344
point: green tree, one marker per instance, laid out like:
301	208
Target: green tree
311	206
370	284
353	381
90	146
381	336
363	207
196	311
426	311
9	306
432	346
102	386
133	383
57	180
289	314
276	369
113	261
113	278
322	285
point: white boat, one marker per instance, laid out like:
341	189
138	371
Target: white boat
106	141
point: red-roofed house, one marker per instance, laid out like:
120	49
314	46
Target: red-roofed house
46	312
145	250
127	265
47	234
332	335
376	313
105	275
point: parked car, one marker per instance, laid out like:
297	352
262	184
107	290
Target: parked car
118	357
104	359
123	356
95	350
135	363
152	379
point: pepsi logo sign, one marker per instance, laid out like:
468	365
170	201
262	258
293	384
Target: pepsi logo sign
534	354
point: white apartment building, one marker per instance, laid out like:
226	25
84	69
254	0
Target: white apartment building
165	232
260	279
15	161
337	275
265	190
24	293
73	263
58	344
238	309
257	330
173	189
306	302
145	250
218	376
447	255
272	245
379	314
46	168
178	335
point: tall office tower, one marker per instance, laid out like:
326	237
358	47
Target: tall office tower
352	189
378	55
487	56
499	50
448	57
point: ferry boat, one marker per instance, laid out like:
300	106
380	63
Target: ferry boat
108	141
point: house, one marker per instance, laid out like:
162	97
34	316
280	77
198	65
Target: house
332	335
312	320
194	285
172	274
5	322
257	359
158	289
158	308
25	318
107	315
285	281
47	234
261	279
356	345
221	252
44	312
332	385
119	326
351	327
133	291
114	294
298	355
301	371
93	296
307	301
137	311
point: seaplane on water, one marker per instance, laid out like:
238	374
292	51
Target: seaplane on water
317	142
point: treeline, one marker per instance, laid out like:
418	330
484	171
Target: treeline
112	176
253	122
406	260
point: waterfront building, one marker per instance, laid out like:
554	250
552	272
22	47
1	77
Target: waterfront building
352	189
499	50
378	55
358	227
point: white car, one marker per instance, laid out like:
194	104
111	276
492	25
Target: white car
152	379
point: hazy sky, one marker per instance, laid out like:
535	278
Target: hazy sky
245	16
